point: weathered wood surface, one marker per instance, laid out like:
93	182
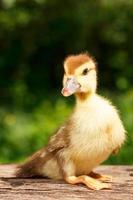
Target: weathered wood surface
12	188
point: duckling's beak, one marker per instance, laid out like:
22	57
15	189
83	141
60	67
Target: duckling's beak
71	86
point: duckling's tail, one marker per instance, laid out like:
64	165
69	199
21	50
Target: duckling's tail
33	166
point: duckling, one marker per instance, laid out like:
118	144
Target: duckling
93	131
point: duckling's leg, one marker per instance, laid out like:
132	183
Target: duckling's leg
68	171
88	181
100	176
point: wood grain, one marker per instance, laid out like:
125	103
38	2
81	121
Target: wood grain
12	188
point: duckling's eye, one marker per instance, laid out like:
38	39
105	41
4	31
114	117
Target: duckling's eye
85	71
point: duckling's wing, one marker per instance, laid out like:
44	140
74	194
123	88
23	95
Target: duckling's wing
59	140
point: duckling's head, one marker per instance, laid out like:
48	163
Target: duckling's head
80	75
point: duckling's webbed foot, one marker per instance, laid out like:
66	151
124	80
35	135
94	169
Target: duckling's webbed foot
100	177
88	181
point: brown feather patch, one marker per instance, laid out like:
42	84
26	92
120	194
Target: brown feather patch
74	61
34	164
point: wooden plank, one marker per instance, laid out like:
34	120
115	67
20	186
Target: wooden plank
12	188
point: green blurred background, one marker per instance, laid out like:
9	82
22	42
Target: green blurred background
35	37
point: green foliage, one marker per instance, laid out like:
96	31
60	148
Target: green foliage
35	36
24	132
